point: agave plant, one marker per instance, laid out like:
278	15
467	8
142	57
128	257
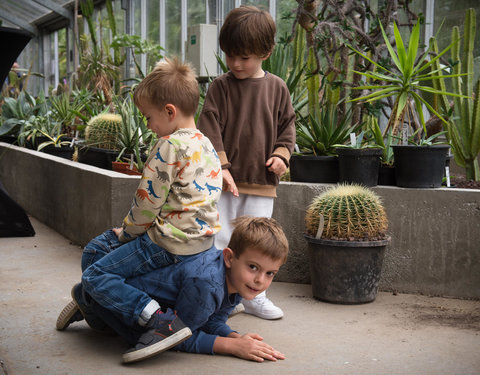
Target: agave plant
405	83
321	133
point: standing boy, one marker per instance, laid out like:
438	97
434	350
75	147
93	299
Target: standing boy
250	120
204	289
173	214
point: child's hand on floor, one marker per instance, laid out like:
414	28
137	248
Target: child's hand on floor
251	346
276	165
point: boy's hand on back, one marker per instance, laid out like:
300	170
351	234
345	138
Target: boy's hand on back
276	165
117	231
229	183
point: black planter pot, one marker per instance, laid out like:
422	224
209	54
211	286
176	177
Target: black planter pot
345	272
359	165
98	157
33	144
8	139
305	168
386	175
420	166
64	152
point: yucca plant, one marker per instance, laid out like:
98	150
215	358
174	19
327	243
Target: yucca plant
347	212
405	82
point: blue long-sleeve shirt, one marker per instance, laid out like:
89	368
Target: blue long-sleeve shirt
196	288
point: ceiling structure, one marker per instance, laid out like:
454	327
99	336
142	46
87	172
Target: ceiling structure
31	15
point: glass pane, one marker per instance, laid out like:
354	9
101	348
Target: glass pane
173	28
196	12
262	4
286	11
62	54
153	20
452	13
136	17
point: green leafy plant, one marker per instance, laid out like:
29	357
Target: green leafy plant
135	140
385	142
17	113
405	82
320	134
360	141
139	46
347	212
55	141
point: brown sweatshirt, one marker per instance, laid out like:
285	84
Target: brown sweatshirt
248	121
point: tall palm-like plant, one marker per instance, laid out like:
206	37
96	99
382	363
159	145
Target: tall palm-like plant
405	83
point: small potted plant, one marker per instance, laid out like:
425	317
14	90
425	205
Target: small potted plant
134	139
318	135
101	140
346	232
359	161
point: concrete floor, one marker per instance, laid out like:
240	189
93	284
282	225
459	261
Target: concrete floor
396	334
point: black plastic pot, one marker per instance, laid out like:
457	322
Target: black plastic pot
64	152
420	166
306	168
359	165
98	157
386	175
345	272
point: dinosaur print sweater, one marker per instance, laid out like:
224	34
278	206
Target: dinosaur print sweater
175	202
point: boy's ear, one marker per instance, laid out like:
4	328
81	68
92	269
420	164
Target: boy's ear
171	111
228	256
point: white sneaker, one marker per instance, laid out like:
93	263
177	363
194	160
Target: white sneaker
262	307
237	310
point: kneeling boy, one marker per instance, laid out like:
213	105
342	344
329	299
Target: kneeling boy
203	290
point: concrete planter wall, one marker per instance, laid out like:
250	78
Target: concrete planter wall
435	248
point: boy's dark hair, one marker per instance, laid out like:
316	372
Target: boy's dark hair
170	82
247	30
260	233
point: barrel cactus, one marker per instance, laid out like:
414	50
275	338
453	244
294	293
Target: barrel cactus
350	213
103	130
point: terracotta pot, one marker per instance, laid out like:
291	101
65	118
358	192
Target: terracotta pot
122	167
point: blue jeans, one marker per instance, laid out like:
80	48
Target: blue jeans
107	263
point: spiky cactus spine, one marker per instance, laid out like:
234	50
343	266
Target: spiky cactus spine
103	130
350	212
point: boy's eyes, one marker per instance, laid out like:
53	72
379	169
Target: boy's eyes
253	267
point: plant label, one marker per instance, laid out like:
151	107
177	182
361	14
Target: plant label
353	139
320	226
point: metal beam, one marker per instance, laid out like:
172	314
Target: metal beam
10	18
54	7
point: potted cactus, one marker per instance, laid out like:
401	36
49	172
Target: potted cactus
101	140
346	233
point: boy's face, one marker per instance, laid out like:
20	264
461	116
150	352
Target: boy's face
158	119
251	273
249	66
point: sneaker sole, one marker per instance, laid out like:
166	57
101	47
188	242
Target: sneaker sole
67	313
103	329
237	310
158	347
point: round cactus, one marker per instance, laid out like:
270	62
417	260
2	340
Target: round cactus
102	131
350	213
